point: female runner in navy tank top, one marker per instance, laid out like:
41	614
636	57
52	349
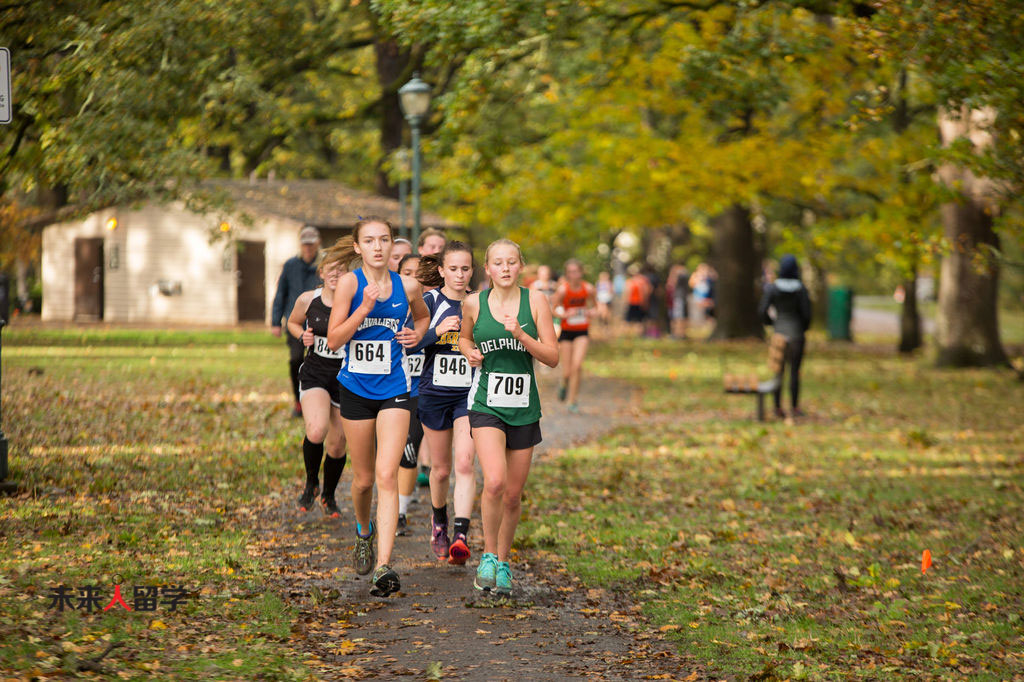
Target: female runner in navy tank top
444	392
371	305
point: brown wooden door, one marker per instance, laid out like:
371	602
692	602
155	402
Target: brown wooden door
89	279
251	277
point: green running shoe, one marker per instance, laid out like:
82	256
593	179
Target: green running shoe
363	556
485	572
503	579
385	582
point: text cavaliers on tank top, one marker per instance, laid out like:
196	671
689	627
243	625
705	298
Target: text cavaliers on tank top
575	304
505	386
374	365
318	314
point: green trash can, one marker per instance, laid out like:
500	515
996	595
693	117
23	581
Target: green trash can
840	313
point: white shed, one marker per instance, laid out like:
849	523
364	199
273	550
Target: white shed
165	263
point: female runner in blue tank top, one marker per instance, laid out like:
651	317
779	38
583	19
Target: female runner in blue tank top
368	317
444	392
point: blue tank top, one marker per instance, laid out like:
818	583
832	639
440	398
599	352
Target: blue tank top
374	365
446	372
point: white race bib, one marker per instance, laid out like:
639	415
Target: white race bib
508	390
452	371
370	357
576	316
414	364
321	348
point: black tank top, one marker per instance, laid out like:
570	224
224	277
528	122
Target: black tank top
317	317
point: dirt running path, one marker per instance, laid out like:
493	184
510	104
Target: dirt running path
439	626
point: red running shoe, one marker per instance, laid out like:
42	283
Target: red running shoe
458	553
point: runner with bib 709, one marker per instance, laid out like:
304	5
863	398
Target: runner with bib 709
504	329
371	305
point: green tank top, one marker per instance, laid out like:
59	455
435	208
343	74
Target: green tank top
505	386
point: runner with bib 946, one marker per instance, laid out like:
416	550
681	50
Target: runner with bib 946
444	388
371	305
504	329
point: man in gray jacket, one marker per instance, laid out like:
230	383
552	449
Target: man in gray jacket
297	275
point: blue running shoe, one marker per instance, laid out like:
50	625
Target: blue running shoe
503	579
485	572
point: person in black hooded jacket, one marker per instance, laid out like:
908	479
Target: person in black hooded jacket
788	297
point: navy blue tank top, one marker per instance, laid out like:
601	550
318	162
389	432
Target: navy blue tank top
446	372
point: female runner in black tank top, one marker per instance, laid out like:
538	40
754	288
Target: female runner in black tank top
318	388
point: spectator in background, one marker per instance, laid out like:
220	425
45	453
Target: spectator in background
638	295
702	282
605	296
299	274
654	303
678	296
787	307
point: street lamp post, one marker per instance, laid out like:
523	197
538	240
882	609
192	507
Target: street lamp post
403	191
414	97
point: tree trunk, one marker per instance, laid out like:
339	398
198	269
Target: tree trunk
21	285
392	65
819	294
910	317
735	259
968	326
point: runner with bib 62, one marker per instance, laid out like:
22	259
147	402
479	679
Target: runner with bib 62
504	329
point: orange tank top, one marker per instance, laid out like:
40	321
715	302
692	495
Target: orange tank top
575	304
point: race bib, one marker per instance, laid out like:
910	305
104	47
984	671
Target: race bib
414	364
452	371
370	357
576	316
508	390
321	348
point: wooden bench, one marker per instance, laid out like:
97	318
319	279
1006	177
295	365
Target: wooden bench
750	384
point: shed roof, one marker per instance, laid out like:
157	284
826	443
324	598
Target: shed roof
323	203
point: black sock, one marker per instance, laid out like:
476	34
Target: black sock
461	525
312	453
332	474
440	515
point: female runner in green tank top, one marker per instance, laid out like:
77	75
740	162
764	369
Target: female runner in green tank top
504	329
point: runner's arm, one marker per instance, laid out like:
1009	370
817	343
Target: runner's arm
467	346
297	320
544	348
342	326
420	314
430	336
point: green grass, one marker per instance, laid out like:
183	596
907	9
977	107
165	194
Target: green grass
140	454
794	551
772	550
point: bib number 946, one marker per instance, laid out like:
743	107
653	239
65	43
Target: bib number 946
370	357
452	371
508	390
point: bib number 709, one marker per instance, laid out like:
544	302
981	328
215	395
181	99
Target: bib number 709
508	390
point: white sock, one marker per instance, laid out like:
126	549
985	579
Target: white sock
403	503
